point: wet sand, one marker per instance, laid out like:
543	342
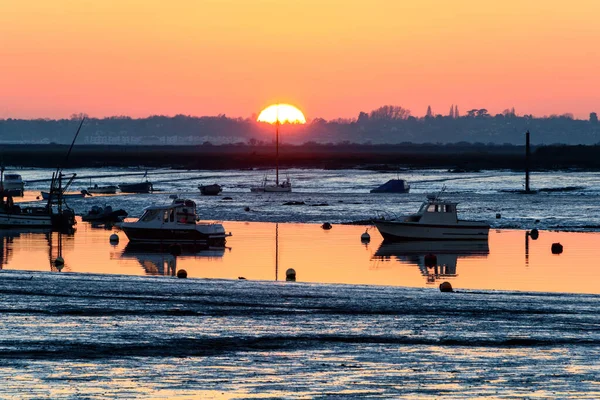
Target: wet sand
362	320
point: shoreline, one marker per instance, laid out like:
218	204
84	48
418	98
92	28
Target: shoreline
457	158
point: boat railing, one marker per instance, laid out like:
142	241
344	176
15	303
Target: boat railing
384	215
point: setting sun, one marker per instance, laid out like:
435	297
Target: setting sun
283	113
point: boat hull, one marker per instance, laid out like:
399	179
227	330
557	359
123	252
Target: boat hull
210	190
179	236
46	196
31	221
142	187
103	190
397	231
272	189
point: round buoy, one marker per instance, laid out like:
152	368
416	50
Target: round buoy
446	287
430	260
534	234
498	216
182	274
175	250
114	238
246	208
290	275
557	248
365	237
326	226
59	261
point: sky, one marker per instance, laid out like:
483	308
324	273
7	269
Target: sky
330	58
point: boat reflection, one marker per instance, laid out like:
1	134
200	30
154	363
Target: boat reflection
156	260
29	237
435	259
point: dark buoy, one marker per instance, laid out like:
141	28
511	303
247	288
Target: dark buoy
557	248
182	274
59	261
246	208
175	250
365	237
114	238
498	216
534	234
326	226
290	275
446	287
430	260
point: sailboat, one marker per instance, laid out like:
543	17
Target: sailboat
284	186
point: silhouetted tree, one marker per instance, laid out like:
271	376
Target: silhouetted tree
451	114
362	117
389	113
429	113
456	114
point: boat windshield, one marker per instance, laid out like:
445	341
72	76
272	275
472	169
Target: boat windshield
149	215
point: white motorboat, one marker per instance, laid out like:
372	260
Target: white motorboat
174	223
437	219
15	216
13	184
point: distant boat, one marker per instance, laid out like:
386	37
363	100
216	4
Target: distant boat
12	184
393	186
108	189
210	190
140	187
46	195
275	187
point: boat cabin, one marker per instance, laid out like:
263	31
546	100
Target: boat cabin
180	211
435	211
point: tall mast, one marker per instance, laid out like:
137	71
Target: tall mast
527	155
277	147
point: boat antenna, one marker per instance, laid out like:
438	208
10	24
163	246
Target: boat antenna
440	192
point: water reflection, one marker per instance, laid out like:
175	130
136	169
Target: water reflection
436	260
163	260
55	242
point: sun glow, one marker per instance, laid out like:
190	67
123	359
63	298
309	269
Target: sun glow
282	112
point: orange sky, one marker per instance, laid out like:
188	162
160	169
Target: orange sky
331	58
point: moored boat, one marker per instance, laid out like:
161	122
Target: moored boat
46	195
393	186
140	187
104	215
108	189
437	219
174	223
210	190
284	186
12	184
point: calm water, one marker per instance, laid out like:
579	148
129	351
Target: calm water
362	320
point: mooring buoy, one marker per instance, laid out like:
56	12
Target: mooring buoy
365	237
182	274
556	248
326	226
114	238
534	234
446	287
290	275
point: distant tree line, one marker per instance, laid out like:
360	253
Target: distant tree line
389	124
